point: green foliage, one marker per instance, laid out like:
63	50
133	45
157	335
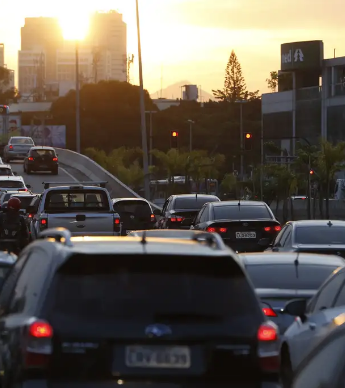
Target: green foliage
272	82
4	78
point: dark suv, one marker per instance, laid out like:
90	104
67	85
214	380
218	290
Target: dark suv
41	158
96	311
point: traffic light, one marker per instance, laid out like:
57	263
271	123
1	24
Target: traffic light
248	139
173	139
311	172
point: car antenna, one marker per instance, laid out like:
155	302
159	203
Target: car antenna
330	223
296	262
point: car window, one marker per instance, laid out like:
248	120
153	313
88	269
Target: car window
69	200
9	184
24	141
198	218
326	296
241	212
286	235
26	201
340	299
284	276
5	172
320	235
180	289
280	235
321	369
136	208
42	152
193	203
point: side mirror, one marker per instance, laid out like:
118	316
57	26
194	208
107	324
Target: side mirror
296	308
28	186
187	222
157	212
264	242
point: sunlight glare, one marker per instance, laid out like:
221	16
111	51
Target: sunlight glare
75	25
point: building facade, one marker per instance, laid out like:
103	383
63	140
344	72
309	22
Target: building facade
310	102
31	71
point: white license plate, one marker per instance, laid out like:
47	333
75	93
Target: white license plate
245	234
172	357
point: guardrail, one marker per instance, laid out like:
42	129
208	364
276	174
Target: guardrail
95	172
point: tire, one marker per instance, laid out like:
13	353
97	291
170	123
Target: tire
286	372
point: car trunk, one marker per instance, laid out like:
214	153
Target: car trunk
21	149
169	320
44	160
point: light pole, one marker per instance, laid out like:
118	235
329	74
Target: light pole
142	113
241	102
191	122
151	132
77	97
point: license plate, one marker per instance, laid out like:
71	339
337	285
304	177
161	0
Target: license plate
245	234
172	357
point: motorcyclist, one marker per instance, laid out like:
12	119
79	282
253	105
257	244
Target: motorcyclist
14	234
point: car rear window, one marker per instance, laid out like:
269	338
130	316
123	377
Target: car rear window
36	153
73	200
285	276
26	201
8	184
241	212
320	235
19	140
133	207
152	288
192	202
5	171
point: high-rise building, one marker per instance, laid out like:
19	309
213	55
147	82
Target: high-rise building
31	70
2	55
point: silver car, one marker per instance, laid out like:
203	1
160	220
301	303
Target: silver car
17	148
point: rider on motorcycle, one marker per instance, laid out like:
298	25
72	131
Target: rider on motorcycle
14	234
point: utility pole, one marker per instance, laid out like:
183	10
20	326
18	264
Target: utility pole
151	112
142	113
191	122
241	102
77	97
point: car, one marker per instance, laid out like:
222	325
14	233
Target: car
41	159
281	277
166	233
17	148
7	260
26	199
313	320
14	183
6	195
82	310
314	236
241	224
135	213
179	207
6	170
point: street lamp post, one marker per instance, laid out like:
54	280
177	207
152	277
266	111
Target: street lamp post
241	102
191	122
77	97
151	133
142	113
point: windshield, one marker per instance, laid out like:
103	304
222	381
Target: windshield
26	201
320	235
71	201
283	276
21	140
5	171
194	203
241	212
133	208
8	184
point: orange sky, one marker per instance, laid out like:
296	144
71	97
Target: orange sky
192	39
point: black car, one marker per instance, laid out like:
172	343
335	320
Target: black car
313	236
280	277
241	224
178	208
135	214
99	311
26	200
41	158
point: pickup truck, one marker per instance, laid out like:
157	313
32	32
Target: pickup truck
85	209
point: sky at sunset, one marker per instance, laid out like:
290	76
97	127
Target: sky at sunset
192	39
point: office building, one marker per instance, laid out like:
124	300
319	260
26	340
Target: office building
32	70
310	102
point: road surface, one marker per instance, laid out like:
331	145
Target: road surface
66	174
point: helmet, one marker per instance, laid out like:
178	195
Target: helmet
14	204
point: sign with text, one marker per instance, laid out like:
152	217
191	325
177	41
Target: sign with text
302	55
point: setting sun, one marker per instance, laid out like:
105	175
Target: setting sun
74	25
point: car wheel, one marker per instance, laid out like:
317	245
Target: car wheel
286	372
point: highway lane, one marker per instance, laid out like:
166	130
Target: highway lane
36	179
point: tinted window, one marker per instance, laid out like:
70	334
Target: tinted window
19	140
153	288
340	301
320	235
284	276
4	269
132	207
26	201
5	171
8	184
240	212
70	200
326	296
192	202
43	152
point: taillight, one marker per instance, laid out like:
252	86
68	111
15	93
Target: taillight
30	215
267	229
55	159
216	230
153	218
176	219
117	221
211	230
38	345
43	223
277	228
117	224
22	189
268	347
31	159
269	312
11	147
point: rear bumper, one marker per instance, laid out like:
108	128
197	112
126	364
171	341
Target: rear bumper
244	246
48	167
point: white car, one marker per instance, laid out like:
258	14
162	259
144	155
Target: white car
6	170
13	183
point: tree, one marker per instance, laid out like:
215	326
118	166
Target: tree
234	84
4	78
272	82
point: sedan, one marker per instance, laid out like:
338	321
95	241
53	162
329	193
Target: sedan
17	148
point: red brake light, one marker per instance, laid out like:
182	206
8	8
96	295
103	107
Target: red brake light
173	219
11	147
211	230
222	230
277	228
117	221
179	219
55	159
44	221
30	216
153	218
267	229
176	219
31	158
41	330
267	333
269	312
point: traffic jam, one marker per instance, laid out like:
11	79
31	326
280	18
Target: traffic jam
201	292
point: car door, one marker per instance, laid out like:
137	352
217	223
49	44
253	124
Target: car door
302	335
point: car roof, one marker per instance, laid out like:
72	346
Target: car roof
21	194
76	185
21	137
206	196
276	258
308	223
42	147
11	178
236	202
167	233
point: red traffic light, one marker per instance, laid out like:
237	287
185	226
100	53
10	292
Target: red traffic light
248	135
174	134
311	172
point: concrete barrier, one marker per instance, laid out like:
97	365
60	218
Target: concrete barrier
95	172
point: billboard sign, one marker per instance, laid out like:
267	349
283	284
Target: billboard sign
9	126
302	55
46	135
